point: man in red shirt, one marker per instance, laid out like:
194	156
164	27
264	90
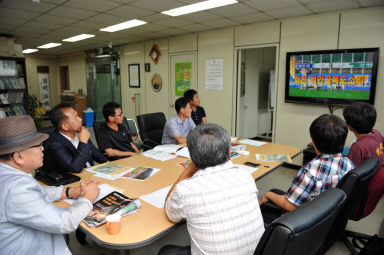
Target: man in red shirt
360	118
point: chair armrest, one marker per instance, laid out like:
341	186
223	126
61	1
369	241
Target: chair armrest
149	144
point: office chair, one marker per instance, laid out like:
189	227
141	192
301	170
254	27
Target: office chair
354	184
303	230
151	126
96	128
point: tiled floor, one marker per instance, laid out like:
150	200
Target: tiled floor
280	178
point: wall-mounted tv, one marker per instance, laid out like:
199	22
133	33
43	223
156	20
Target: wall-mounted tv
333	77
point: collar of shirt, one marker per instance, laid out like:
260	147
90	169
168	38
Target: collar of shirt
179	120
3	165
213	169
75	141
330	155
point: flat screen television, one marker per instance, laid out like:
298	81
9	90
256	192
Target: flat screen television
333	77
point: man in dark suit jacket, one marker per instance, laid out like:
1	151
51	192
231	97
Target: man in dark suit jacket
69	149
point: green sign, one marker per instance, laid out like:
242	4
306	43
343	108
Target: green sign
183	76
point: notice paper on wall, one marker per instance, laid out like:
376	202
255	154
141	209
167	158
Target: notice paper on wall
214	74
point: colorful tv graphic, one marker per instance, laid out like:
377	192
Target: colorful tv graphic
331	76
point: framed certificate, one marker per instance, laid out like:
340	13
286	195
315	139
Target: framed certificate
134	75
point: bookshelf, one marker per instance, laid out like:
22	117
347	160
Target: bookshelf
13	87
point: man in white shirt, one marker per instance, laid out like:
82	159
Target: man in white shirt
217	199
29	222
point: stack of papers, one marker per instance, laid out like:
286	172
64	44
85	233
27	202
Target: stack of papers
170	148
183	152
109	171
252	142
157	198
158	155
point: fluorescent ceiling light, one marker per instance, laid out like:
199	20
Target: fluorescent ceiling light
78	38
205	5
30	50
49	45
124	25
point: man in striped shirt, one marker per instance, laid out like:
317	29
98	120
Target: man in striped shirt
217	199
328	133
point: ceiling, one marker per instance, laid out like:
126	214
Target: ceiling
53	20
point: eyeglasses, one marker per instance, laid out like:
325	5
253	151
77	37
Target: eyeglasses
119	115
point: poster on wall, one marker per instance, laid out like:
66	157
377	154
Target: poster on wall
134	75
183	76
214	74
44	90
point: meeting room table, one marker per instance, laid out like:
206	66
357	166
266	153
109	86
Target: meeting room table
150	222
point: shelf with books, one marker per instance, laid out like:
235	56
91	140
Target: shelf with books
13	87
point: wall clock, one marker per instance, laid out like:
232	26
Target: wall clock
156	82
155	53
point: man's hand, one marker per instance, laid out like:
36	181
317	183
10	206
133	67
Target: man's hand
90	190
76	192
135	148
263	200
84	135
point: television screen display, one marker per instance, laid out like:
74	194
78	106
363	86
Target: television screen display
335	77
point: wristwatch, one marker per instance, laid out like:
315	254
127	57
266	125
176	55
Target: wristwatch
67	192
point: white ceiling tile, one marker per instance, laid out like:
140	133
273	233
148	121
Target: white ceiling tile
37	24
13	21
156	5
6	28
154	17
27	5
264	5
93	5
221	23
233	10
170	32
31	31
129	12
368	3
55	19
289	12
172	22
312	1
151	27
12	13
200	17
124	1
54	1
72	12
252	18
190	1
333	5
196	28
73	30
89	24
107	19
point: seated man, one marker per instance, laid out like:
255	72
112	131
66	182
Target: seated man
29	222
215	197
361	118
198	114
177	127
69	148
114	138
328	133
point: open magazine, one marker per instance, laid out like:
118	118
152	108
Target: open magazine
114	202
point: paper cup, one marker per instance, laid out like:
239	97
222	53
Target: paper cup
113	224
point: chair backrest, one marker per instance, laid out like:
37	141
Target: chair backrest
96	128
354	184
151	126
303	230
133	130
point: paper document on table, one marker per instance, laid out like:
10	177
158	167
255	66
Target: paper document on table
170	148
158	155
270	157
157	198
140	173
109	171
233	139
105	189
247	168
252	142
184	152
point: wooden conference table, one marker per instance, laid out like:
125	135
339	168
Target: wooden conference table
151	223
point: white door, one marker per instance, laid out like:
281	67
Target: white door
183	76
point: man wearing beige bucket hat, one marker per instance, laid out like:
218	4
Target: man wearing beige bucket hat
29	222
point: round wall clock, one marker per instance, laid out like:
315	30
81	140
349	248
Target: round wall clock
155	53
156	82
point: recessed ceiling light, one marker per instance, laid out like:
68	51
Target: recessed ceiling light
49	45
78	38
30	50
124	25
205	5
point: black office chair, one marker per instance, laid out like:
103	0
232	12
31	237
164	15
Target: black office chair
303	230
151	126
96	129
354	184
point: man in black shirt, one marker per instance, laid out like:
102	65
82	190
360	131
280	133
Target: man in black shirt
198	114
115	139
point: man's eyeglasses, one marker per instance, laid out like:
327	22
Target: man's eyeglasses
119	115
